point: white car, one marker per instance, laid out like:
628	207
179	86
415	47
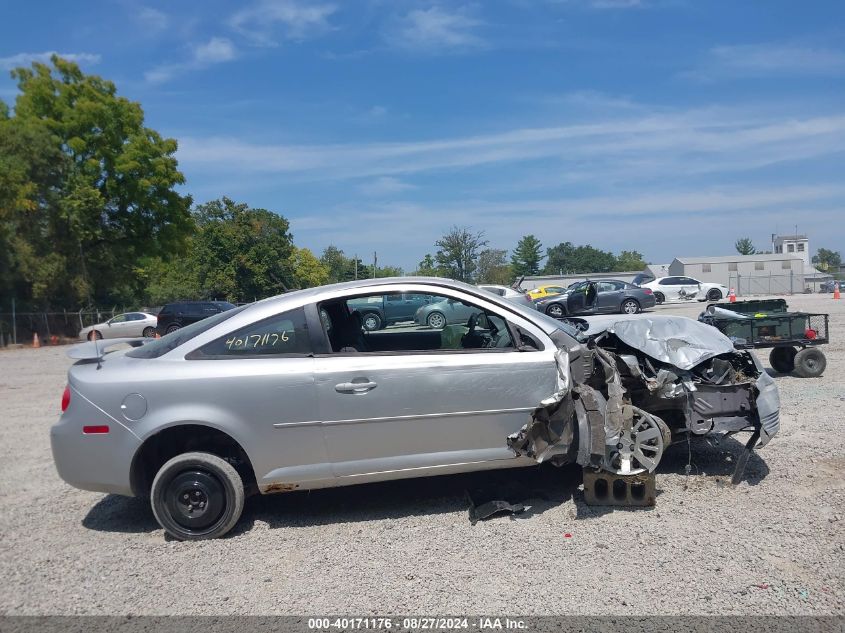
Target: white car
517	296
684	289
127	325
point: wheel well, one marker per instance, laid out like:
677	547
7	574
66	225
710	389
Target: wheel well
170	442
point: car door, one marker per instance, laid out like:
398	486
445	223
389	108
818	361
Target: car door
257	381
582	299
609	296
117	327
691	286
409	412
670	287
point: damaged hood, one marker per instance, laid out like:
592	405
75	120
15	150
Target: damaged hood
676	340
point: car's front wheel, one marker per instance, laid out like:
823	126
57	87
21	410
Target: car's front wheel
197	496
371	321
94	335
630	306
714	294
149	332
436	321
555	310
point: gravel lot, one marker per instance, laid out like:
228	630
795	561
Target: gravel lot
772	545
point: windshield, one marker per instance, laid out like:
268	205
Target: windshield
159	347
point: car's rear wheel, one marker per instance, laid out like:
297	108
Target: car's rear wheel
714	294
171	328
94	335
630	306
810	362
197	496
149	332
436	321
371	321
659	297
782	359
555	310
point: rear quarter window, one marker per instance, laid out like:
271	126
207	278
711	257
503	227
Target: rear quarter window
282	334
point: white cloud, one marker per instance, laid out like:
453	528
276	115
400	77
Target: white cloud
25	59
435	30
384	186
647	145
153	20
267	21
758	60
215	51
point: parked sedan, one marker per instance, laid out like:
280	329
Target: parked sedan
685	289
545	291
598	297
511	294
128	325
291	393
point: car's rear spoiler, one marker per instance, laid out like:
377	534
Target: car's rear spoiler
97	349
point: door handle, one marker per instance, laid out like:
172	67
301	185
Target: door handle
355	387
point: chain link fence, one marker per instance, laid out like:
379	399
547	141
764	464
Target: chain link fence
748	285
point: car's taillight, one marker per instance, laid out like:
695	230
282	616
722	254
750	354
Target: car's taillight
647	291
65	398
95	430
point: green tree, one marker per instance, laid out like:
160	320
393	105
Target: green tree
526	257
629	261
493	267
744	246
566	258
241	253
427	267
98	194
457	253
827	260
341	267
308	271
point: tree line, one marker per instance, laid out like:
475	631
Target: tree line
91	213
464	254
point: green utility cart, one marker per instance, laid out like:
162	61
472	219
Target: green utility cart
794	337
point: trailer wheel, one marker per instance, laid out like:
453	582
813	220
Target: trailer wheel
782	359
810	362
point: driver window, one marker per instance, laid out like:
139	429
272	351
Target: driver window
424	323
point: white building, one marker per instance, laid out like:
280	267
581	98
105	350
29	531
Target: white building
797	245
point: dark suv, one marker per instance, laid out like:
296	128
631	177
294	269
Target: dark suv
176	315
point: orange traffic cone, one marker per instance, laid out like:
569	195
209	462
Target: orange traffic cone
836	291
732	296
35	341
158	335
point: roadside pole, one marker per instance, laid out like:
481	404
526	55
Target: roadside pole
14	324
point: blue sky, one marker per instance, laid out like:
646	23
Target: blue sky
667	126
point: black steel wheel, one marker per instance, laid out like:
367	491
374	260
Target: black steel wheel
659	297
782	359
810	362
714	294
197	496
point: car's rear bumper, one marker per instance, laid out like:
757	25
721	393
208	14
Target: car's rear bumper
93	461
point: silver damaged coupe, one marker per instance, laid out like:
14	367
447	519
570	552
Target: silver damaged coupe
291	393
